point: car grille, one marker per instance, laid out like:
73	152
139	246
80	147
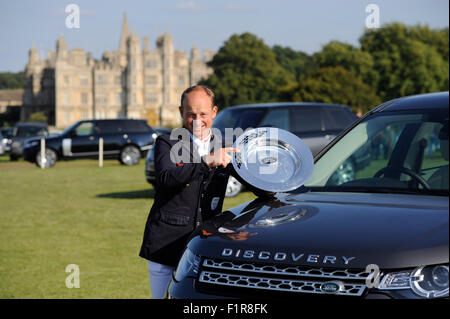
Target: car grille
281	278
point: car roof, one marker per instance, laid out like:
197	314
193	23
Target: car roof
286	104
110	120
32	124
421	101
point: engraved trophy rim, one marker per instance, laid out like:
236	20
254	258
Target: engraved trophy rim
272	159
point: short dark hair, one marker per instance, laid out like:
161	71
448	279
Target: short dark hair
205	89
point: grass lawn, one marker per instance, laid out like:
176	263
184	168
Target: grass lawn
75	213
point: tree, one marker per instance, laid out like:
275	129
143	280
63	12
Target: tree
246	71
333	85
9	80
409	60
299	63
435	38
38	117
353	59
152	117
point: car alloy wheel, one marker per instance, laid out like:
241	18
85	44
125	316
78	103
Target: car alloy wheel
233	187
130	155
50	158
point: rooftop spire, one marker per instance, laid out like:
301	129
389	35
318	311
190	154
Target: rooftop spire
124	34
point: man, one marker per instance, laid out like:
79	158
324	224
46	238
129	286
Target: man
190	185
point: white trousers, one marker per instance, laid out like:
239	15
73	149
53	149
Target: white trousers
160	276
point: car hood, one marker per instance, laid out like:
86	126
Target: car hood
331	230
47	138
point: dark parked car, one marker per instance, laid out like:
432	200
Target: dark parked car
23	131
161	130
124	139
315	123
5	139
150	158
383	234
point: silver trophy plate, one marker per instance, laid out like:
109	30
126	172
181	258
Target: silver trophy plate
272	159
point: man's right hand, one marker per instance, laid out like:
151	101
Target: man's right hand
222	157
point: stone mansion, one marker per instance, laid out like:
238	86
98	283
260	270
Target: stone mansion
133	81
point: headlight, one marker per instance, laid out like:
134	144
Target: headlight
431	281
187	266
425	281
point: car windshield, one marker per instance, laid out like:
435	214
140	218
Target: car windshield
390	151
67	130
29	131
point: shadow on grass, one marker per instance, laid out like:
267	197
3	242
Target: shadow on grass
4	159
142	194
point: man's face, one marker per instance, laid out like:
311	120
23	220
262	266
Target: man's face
198	113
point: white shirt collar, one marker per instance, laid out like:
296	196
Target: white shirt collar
202	145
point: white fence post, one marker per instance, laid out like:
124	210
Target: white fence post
43	159
100	152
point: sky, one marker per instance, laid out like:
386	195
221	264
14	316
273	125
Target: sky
303	25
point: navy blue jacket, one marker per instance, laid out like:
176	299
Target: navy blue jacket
187	192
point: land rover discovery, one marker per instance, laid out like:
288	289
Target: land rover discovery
382	234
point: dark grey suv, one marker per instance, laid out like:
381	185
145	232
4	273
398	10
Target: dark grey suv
124	139
315	123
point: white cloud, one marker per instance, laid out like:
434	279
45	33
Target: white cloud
234	7
190	5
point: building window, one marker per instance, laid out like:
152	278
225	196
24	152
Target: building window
100	115
102	79
84	98
67	117
132	98
151	64
66	99
118	79
84	115
84	80
118	98
151	79
101	99
151	98
181	80
66	80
